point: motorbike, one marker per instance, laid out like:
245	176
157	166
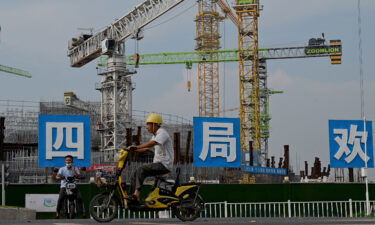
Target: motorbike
70	202
183	199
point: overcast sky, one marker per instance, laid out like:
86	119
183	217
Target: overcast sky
35	34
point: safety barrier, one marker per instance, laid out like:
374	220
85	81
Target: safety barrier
348	208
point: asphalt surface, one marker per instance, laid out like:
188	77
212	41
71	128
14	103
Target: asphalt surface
237	221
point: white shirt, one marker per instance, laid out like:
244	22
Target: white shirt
64	171
163	149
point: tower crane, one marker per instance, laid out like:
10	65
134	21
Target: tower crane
251	76
314	48
116	85
208	38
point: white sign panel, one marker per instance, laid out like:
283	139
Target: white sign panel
41	202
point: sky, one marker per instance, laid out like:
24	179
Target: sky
35	34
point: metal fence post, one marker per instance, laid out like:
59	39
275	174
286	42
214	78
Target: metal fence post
225	209
350	207
289	209
2	184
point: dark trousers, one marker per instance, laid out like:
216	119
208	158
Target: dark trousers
62	195
147	170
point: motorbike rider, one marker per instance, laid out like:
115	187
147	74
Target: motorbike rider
69	170
163	154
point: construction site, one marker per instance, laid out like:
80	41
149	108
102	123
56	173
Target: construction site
116	124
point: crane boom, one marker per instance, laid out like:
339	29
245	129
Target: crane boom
116	86
85	49
231	55
15	71
229	13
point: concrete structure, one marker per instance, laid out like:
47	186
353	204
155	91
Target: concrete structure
10	213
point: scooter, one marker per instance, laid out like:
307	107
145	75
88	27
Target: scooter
183	199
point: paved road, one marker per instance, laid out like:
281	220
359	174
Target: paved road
237	221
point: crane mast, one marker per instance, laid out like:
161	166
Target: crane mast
250	81
208	38
116	85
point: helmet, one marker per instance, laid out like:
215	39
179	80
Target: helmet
154	118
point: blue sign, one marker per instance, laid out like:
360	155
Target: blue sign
61	135
350	144
264	170
217	142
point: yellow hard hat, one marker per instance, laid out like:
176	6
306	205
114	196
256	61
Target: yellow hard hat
154	118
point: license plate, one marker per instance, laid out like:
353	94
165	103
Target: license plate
71	186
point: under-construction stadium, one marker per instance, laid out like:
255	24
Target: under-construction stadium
21	137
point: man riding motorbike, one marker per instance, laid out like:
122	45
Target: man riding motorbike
68	171
163	155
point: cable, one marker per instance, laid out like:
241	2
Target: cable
173	17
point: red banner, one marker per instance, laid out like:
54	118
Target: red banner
95	167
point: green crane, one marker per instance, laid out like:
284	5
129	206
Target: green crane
11	70
14	71
315	48
331	50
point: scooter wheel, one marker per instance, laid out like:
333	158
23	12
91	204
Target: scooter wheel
103	209
190	208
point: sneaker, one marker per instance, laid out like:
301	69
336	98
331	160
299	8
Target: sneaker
57	217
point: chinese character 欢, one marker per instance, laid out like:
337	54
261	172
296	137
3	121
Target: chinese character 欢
355	138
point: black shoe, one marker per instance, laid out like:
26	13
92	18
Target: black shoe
132	198
57	217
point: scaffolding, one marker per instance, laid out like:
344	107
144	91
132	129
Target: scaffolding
21	136
21	123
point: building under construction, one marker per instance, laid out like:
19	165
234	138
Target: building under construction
19	148
20	143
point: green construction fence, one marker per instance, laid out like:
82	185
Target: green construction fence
15	193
